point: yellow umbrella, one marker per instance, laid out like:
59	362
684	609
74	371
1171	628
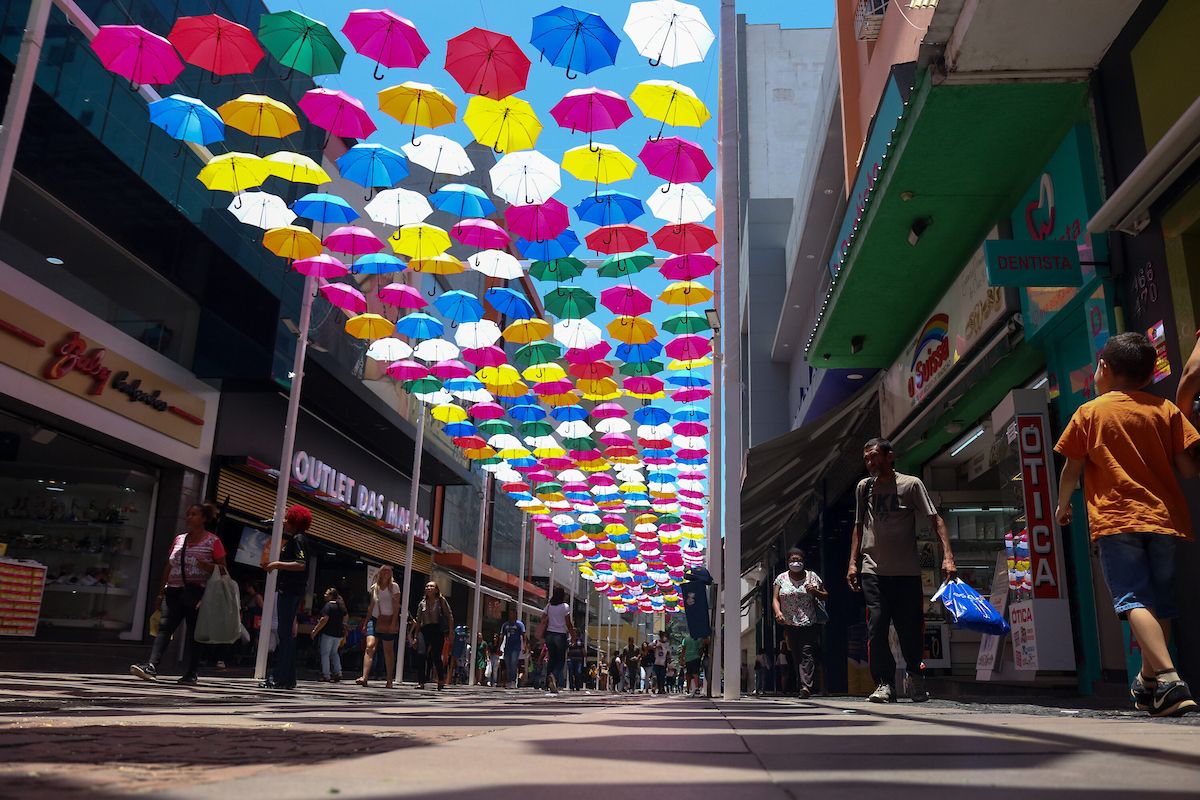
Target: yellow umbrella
441	264
233	172
259	115
369	326
295	168
479	453
413	103
524	331
671	103
544	373
632	330
504	125
420	241
560	400
448	413
604	388
693	363
683	293
646	395
292	242
600	163
549	452
502	375
599	465
642	519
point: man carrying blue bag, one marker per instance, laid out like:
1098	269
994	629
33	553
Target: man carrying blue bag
970	610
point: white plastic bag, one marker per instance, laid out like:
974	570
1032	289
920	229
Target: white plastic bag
219	620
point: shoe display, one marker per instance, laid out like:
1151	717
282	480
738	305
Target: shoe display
1171	699
884	693
146	672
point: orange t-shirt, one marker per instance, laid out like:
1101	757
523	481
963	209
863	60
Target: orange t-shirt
1127	441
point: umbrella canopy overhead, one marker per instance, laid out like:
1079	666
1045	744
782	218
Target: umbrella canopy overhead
337	112
669	32
187	119
578	41
259	115
136	54
386	38
526	177
300	43
507	125
487	63
216	44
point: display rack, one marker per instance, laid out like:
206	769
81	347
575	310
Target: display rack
21	587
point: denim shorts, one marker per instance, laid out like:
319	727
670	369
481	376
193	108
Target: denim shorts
1139	569
386	637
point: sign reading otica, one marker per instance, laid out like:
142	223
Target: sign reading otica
341	487
1020	262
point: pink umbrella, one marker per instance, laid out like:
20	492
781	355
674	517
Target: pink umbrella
552	388
388	38
692	394
353	240
401	295
688	347
452	368
584	355
538	222
616	239
643	384
345	297
407	370
136	54
676	160
688	267
690	429
626	300
616	440
693	476
691	237
488	410
482	233
337	112
321	266
692	454
591	110
608	411
659	462
490	356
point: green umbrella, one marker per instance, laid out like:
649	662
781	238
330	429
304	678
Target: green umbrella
570	302
537	353
426	385
560	269
538	428
686	322
593	529
547	488
300	43
580	443
669	519
620	265
483	462
641	368
493	426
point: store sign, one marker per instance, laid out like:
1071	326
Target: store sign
1024	636
959	321
1044	540
54	352
1016	262
322	477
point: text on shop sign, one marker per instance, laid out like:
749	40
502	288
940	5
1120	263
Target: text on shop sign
324	478
1039	505
1012	262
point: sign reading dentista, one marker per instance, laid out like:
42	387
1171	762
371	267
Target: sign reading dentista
325	478
56	353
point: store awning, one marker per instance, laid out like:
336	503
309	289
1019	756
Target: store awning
784	474
463	565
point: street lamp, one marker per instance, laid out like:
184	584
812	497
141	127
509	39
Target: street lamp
714	319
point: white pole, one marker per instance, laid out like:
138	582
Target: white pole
406	590
476	606
587	620
20	90
285	472
521	569
731	351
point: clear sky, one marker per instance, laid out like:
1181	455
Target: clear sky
788	13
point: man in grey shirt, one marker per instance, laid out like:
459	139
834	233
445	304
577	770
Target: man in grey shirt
885	567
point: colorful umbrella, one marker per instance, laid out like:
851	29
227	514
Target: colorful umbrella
496	264
621	265
536	353
560	246
609	208
259	115
397	207
591	110
440	264
632	330
136	54
676	160
481	233
459	306
617	239
420	241
345	297
576	40
389	350
320	265
373	165
295	168
669	32
537	221
569	302
435	350
378	264
323	207
407	370
684	293
438	155
690	237
292	242
686	322
525	178
300	43
369	326
626	301
640	352
413	103
680	203
688	266
233	172
487	63
524	331
419	326
219	45
506	125
476	335
187	119
462	200
689	346
385	37
671	103
337	112
353	241
557	269
262	210
577	334
509	303
401	295
600	163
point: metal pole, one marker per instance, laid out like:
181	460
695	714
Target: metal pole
285	473
476	607
411	527
587	620
20	90
731	330
521	569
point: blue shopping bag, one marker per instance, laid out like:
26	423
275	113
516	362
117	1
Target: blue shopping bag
970	610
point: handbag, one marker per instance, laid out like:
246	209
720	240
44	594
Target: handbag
821	616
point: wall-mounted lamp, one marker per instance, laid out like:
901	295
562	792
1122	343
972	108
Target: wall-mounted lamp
714	319
856	344
918	228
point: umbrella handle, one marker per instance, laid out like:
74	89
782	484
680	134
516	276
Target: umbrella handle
179	150
677	229
432	178
666	189
376	74
571	77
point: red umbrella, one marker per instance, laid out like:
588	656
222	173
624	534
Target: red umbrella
626	300
538	222
219	45
136	54
691	237
676	160
487	63
616	239
388	38
592	370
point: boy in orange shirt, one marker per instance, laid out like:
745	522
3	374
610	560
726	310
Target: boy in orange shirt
1127	444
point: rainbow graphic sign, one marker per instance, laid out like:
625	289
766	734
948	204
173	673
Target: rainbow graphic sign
931	353
936	331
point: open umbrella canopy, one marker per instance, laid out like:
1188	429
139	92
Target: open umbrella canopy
577	334
386	38
459	306
578	41
219	45
689	346
617	239
481	233
295	168
417	104
599	163
524	331
525	177
537	353
506	125
559	247
591	110
353	241
621	265
689	266
438	155
537	221
690	237
440	264
345	297
676	160
670	103
136	54
418	325
420	241
187	119
401	295
569	302
337	112
462	200
609	207
626	301
323	207
669	32
680	203
378	264
373	165
638	352
436	350
487	63
262	210
496	264
300	43
557	269
686	322
475	335
398	207
509	302
294	242
632	330
389	349
233	172
369	326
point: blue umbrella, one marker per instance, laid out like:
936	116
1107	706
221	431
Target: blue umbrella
576	40
639	353
373	165
522	462
467	384
462	200
460	306
559	247
609	208
529	412
690	414
510	303
688	380
569	413
187	119
322	207
651	415
378	264
660	477
420	326
455	429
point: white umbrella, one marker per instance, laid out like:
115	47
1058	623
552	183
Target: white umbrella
262	210
613	425
662	431
543	443
438	154
508	475
435	350
477	334
669	32
389	349
396	207
440	397
475	395
496	264
525	177
571	476
680	203
577	334
495	467
689	443
573	429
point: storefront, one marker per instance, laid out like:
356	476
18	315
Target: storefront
103	445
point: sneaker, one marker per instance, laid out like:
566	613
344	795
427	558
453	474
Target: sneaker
1171	699
220	665
188	680
804	694
146	672
884	693
916	687
1143	696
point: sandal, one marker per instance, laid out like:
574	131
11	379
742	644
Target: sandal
361	681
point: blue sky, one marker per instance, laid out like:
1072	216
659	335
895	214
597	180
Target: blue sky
788	13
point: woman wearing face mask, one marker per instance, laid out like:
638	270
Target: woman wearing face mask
433	621
795	603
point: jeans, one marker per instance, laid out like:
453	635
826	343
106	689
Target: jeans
183	603
331	660
1139	569
512	663
893	600
575	673
660	673
286	605
556	643
802	642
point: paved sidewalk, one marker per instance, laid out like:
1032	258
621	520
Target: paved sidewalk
111	736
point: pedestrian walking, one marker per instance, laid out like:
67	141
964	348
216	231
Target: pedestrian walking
557	626
383	625
691	654
1127	444
885	567
662	657
760	673
575	658
630	657
434	620
783	668
515	643
796	594
495	648
289	593
481	658
672	676
616	678
194	555
329	632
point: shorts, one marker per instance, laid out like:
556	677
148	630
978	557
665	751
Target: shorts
1139	569
692	668
386	637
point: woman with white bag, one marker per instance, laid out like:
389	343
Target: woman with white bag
194	555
